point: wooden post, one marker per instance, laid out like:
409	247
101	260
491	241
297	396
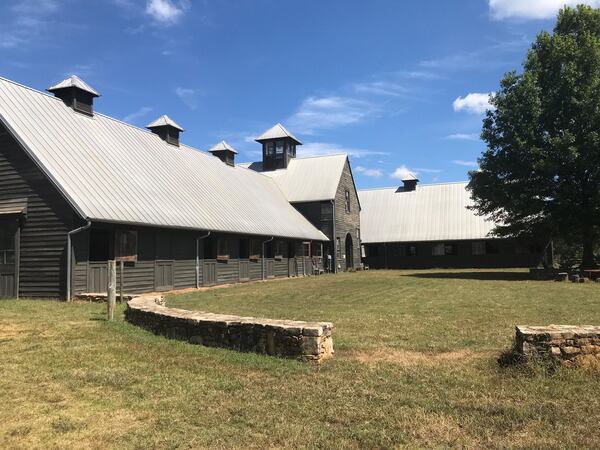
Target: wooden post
112	288
121	289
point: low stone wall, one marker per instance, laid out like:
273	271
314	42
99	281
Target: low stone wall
570	345
307	341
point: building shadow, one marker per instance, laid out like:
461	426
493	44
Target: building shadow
473	275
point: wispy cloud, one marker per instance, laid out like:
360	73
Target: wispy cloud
463	137
460	162
188	96
375	173
384	88
324	148
532	9
474	103
143	111
166	12
402	172
325	113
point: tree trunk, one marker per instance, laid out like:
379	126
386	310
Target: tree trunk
588	261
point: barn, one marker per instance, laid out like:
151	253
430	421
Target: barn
431	225
79	188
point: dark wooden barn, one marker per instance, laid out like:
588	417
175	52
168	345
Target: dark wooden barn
78	188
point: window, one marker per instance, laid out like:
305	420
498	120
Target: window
411	250
7	246
395	250
223	248
318	250
126	245
270	148
326	211
450	249
347	200
99	245
279	146
438	250
478	248
492	248
244	248
338	248
306	249
292	150
210	250
279	249
255	250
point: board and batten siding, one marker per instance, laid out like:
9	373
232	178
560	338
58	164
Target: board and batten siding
43	239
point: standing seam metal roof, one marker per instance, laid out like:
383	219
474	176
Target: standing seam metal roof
114	172
432	212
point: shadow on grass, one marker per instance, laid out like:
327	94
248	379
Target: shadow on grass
475	275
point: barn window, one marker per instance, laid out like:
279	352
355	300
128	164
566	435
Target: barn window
210	252
7	246
270	148
478	248
411	250
347	200
99	245
126	243
279	249
450	249
438	250
255	249
318	250
279	145
223	248
491	248
306	249
244	248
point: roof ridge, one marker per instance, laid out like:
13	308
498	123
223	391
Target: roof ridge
323	156
419	185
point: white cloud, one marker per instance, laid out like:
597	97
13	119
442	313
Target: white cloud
475	103
460	162
402	172
384	88
324	113
463	137
421	169
188	96
165	11
143	111
375	173
324	148
532	9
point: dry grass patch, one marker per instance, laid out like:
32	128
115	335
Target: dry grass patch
408	358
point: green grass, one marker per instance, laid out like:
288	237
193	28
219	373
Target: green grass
415	366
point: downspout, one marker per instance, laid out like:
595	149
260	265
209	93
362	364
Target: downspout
198	239
335	249
69	255
263	256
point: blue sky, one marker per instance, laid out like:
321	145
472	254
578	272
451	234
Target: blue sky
399	85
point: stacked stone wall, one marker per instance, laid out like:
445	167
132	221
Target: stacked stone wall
307	341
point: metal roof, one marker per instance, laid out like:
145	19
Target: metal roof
114	172
432	212
221	147
73	81
164	121
307	179
277	132
410	177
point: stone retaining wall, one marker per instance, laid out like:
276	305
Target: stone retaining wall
308	341
570	345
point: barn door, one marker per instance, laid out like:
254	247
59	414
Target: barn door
9	234
163	275
209	273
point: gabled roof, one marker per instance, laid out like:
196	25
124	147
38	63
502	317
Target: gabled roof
74	81
113	172
307	179
432	212
277	132
221	147
410	177
164	121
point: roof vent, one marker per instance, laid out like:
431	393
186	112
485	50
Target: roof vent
279	147
224	152
76	94
167	129
410	183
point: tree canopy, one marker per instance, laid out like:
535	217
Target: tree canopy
540	173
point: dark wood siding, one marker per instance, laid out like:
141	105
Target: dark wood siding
42	271
394	255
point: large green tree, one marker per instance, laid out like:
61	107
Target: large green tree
540	174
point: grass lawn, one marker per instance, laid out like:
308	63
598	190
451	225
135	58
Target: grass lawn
415	366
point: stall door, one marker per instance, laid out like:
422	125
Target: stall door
8	258
209	273
163	275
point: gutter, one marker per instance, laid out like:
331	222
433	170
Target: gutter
69	255
263	256
198	239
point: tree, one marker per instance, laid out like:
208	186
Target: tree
540	173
